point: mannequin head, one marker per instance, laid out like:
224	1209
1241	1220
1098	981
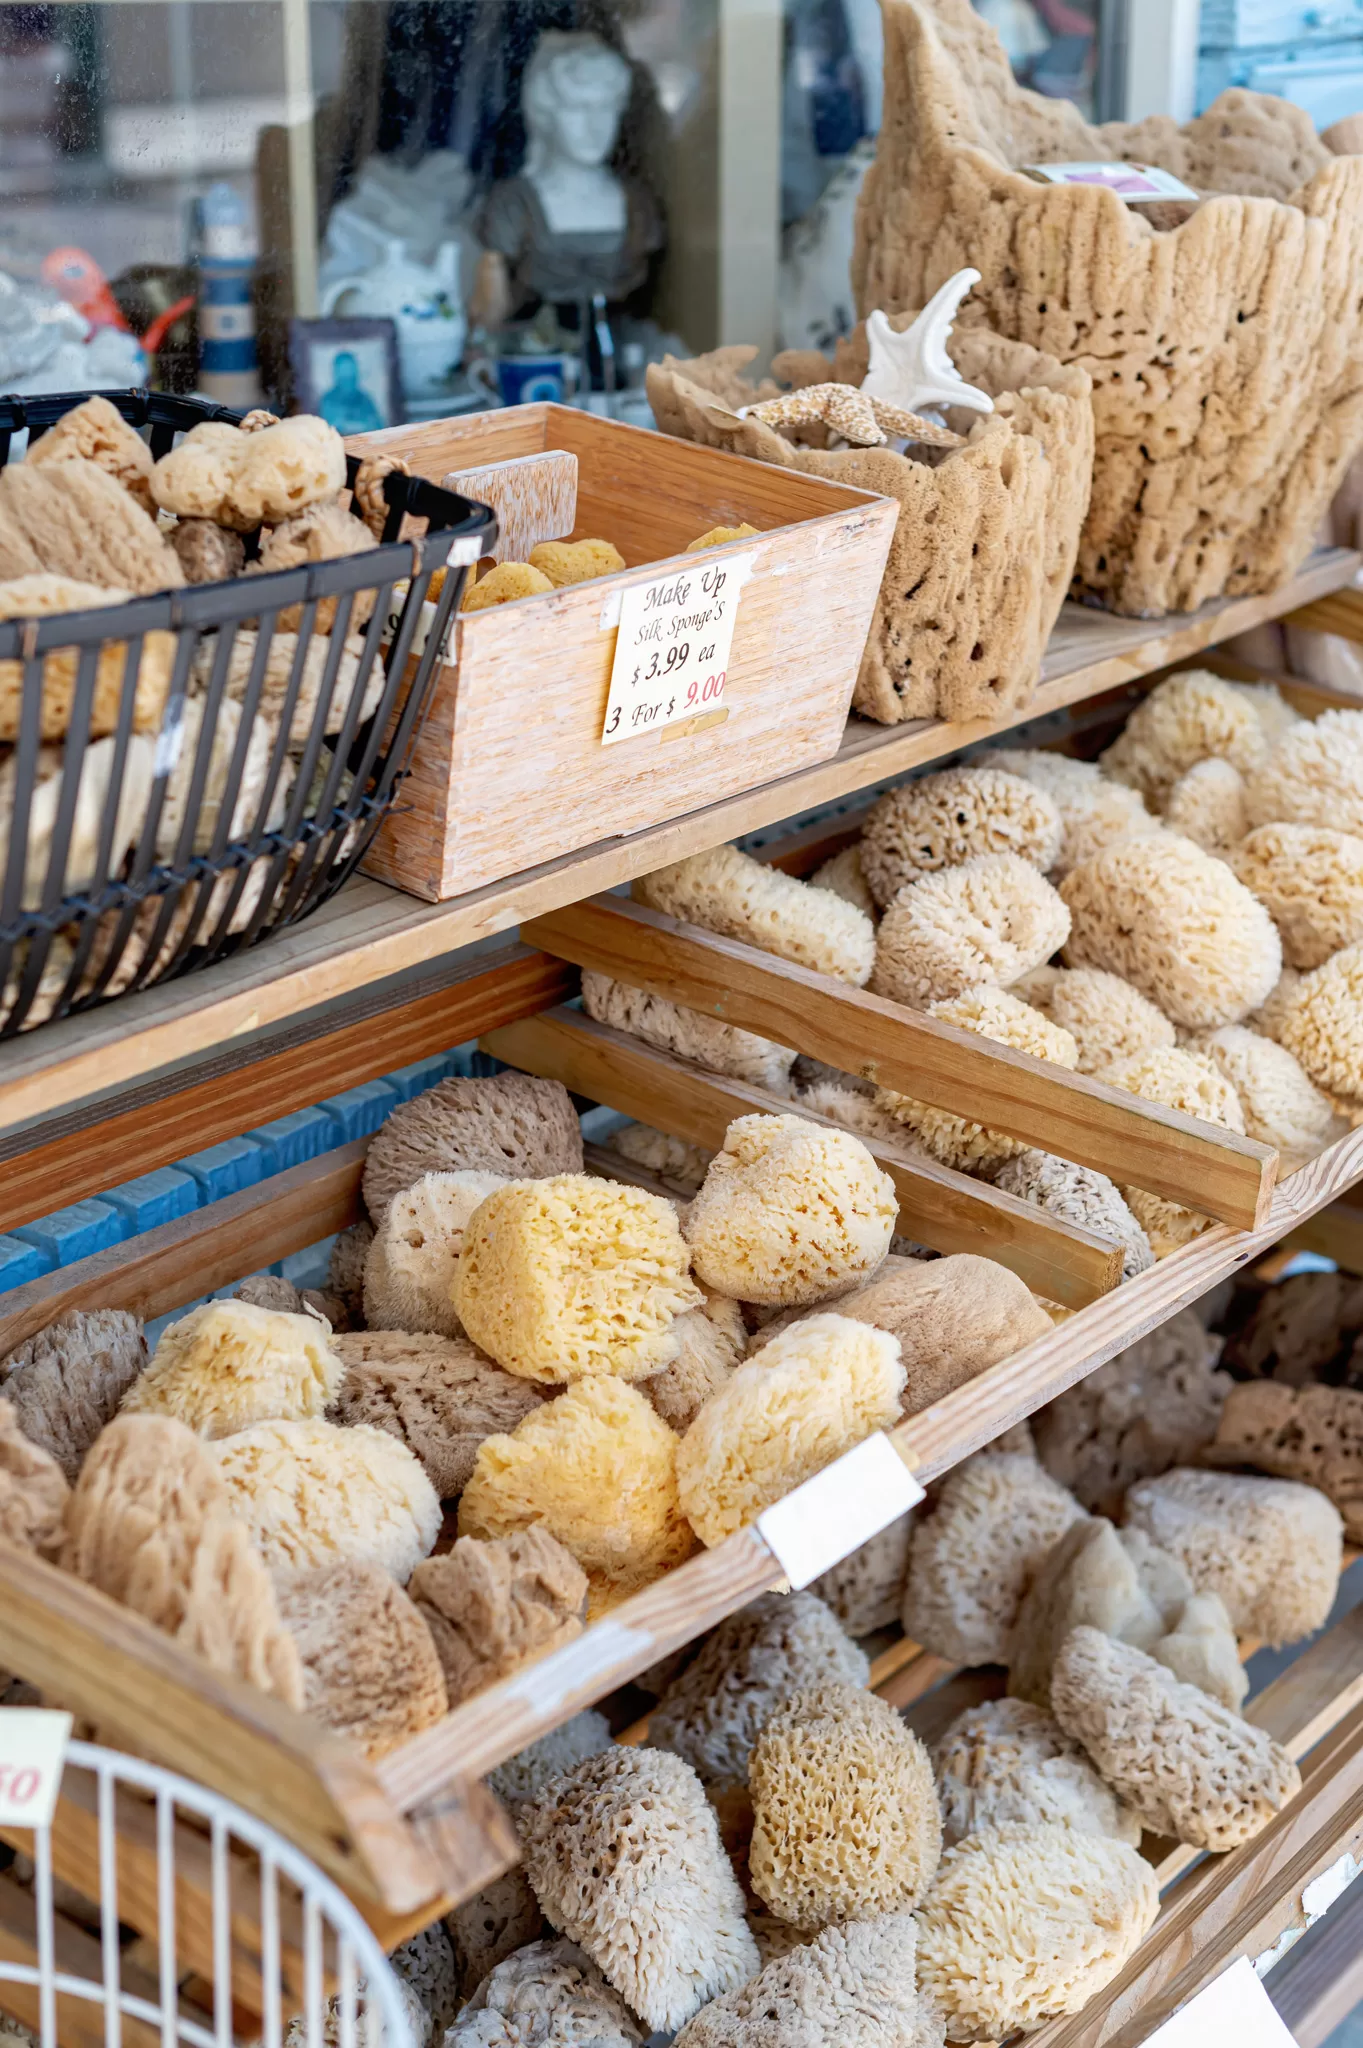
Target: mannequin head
572	97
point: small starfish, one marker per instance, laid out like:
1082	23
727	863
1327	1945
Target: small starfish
913	369
862	421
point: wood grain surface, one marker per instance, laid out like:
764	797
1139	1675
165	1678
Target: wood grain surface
534	497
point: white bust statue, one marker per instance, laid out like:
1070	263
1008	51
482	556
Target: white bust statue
572	97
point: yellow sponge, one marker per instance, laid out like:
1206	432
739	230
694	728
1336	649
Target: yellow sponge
718	536
310	1492
576	561
503	585
228	1364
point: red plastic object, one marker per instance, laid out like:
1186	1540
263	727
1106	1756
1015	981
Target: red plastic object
77	278
162	324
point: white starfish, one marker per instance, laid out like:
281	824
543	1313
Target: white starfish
913	369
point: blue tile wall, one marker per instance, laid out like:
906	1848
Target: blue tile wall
151	1199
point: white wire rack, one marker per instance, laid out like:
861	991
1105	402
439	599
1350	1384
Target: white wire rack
321	1976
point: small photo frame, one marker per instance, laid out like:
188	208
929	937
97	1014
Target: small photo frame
347	371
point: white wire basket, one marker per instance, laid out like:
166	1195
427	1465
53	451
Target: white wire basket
293	1964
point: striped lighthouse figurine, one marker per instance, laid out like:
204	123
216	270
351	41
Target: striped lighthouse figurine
227	323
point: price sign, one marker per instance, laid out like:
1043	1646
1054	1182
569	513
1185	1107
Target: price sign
672	649
32	1747
1235	2007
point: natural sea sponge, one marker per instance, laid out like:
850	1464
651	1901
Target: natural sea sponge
96	431
1201	1649
1282	1106
972	1559
850	1987
1314	776
228	1364
370	1669
1322	1024
844	876
345	1268
729	892
855	1111
1194	1083
710	1342
625	1858
1025	1924
1193	716
576	561
563	1278
706	1041
492	1607
310	1492
676	1162
845	1812
1008	1762
1310	880
487	1928
943	820
511	1124
1272	1015
506	584
991	1013
719	536
410	1266
68	1381
822	1386
1269	1548
549	1994
438	1395
789	1212
1313	1434
80	522
527	1773
33	1490
250	480
324	533
207	553
599	1469
1208	806
1093	811
1190	1767
992	919
713	1712
151	1524
1078	1194
1104	1015
1176	924
1155	1405
866	1589
40	596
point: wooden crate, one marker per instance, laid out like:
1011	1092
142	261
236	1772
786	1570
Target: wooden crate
510	770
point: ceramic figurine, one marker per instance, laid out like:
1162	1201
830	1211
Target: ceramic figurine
423	302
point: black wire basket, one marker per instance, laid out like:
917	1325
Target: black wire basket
217	776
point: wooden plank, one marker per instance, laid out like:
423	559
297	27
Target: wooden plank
1316	1989
45	1168
1142	1143
368	933
80	2021
949	1211
1340	612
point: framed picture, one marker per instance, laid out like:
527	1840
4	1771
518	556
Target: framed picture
347	370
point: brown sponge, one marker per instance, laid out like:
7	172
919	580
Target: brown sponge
710	1343
510	1124
493	1606
97	432
68	1381
1008	1762
439	1395
1314	1434
33	1490
370	1669
942	820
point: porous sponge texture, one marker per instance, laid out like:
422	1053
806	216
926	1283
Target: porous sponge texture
779	1644
1094	811
1189	1766
310	1492
227	1365
1078	1194
67	1382
1269	1548
1104	1015
410	1267
1309	878
843	875
852	1986
624	1855
706	1041
547	1993
845	1811
972	1559
865	1590
1209	806
527	1773
1313	776
1026	1923
1192	1082
599	1469
789	1212
709	1346
1174	922
945	819
511	1124
370	1669
1010	1763
33	1490
822	1386
729	892
1093	1577
1322	1024
991	1013
1310	1433
438	1395
1194	716
1282	1106
491	1607
564	1278
992	919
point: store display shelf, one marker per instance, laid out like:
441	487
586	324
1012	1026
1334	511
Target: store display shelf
323	975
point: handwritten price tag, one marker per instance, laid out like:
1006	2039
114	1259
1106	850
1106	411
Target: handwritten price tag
672	649
32	1748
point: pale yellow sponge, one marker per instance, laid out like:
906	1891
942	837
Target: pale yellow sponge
991	1013
1310	880
729	892
1208	806
1314	776
1025	1924
576	561
816	1390
1094	811
1009	1762
993	919
1322	1023
705	1041
1104	1015
563	1278
1272	1015
1282	1106
844	876
942	820
1191	1081
227	1365
789	1212
845	1810
720	536
505	584
409	1268
1193	716
1174	922
598	1469
309	1492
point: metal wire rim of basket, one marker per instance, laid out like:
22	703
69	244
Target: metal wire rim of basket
256	1880
138	852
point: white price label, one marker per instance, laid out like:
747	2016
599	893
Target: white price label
32	1749
838	1510
1235	2008
672	649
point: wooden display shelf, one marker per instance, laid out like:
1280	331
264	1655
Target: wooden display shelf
370	934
